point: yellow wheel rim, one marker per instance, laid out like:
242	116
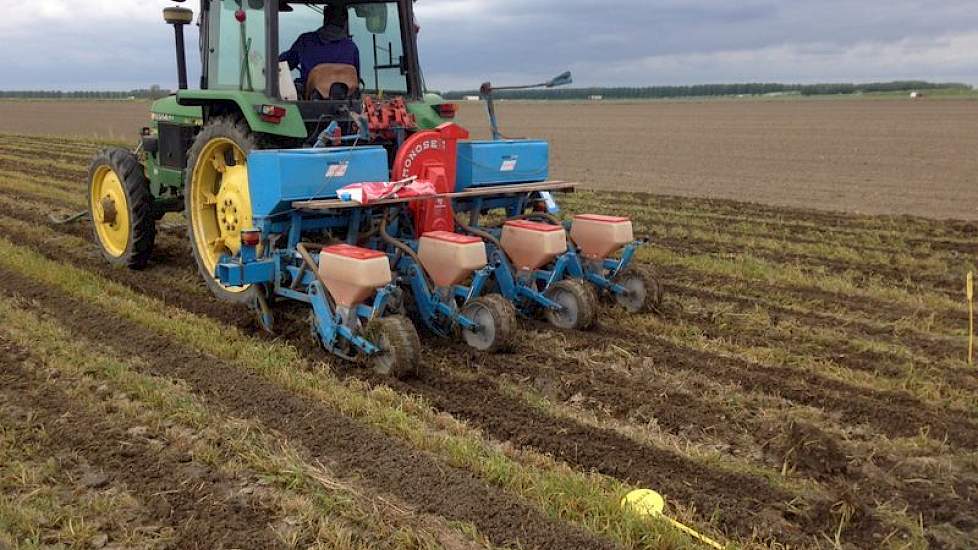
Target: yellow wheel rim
220	203
110	211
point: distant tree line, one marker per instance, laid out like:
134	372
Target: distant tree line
700	90
153	92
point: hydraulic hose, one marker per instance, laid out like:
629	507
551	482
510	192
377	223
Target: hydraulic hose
485	235
311	265
406	250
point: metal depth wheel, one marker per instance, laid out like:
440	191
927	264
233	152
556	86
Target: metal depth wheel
400	346
218	201
644	293
496	318
578	308
121	208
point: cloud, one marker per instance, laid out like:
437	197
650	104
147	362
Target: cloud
124	44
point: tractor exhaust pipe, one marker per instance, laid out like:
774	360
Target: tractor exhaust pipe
179	17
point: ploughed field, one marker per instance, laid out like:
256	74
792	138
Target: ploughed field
869	156
806	385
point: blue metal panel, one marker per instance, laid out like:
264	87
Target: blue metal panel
278	177
501	162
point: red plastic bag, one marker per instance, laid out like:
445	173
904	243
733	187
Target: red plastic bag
371	192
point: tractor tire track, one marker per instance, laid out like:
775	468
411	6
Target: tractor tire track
385	463
841	352
682	280
654	227
54	172
172	489
156	283
802	219
905	279
736	499
895	414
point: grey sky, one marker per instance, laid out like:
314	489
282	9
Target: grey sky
121	44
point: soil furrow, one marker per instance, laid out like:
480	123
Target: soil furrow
175	491
654	226
842	351
55	172
903	278
746	292
157	283
735	500
385	463
895	414
802	219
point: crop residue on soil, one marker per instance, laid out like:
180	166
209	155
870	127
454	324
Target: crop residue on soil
806	383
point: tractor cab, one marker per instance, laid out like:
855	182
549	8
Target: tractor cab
278	64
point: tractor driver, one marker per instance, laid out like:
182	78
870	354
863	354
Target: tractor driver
330	44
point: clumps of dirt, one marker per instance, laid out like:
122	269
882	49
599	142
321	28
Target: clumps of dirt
385	463
181	501
803	446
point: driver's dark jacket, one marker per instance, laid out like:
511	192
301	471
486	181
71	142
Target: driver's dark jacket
311	50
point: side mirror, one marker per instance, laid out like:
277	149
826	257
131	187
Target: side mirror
376	16
562	80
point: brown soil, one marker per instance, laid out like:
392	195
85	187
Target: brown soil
881	310
895	414
386	464
201	506
878	157
56	172
607	452
898	276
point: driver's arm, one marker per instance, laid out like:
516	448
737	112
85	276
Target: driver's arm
291	56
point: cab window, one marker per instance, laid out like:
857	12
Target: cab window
236	56
376	31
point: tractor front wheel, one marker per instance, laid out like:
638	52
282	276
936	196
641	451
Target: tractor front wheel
400	346
218	201
121	207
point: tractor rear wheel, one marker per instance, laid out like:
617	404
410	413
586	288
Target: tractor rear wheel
121	208
578	305
218	201
400	346
496	318
643	291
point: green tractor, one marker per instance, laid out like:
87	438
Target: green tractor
193	156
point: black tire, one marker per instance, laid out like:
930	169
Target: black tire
240	134
498	317
645	292
139	204
399	343
580	308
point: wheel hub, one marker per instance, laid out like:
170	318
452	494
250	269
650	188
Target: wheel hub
109	210
233	207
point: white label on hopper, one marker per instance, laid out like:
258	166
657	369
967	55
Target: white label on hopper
337	170
509	165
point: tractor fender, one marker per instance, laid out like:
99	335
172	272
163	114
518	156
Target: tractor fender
246	104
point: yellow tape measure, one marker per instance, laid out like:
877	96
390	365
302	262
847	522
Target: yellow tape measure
646	502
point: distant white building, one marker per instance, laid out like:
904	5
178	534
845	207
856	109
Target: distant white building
916	95
471	98
595	97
